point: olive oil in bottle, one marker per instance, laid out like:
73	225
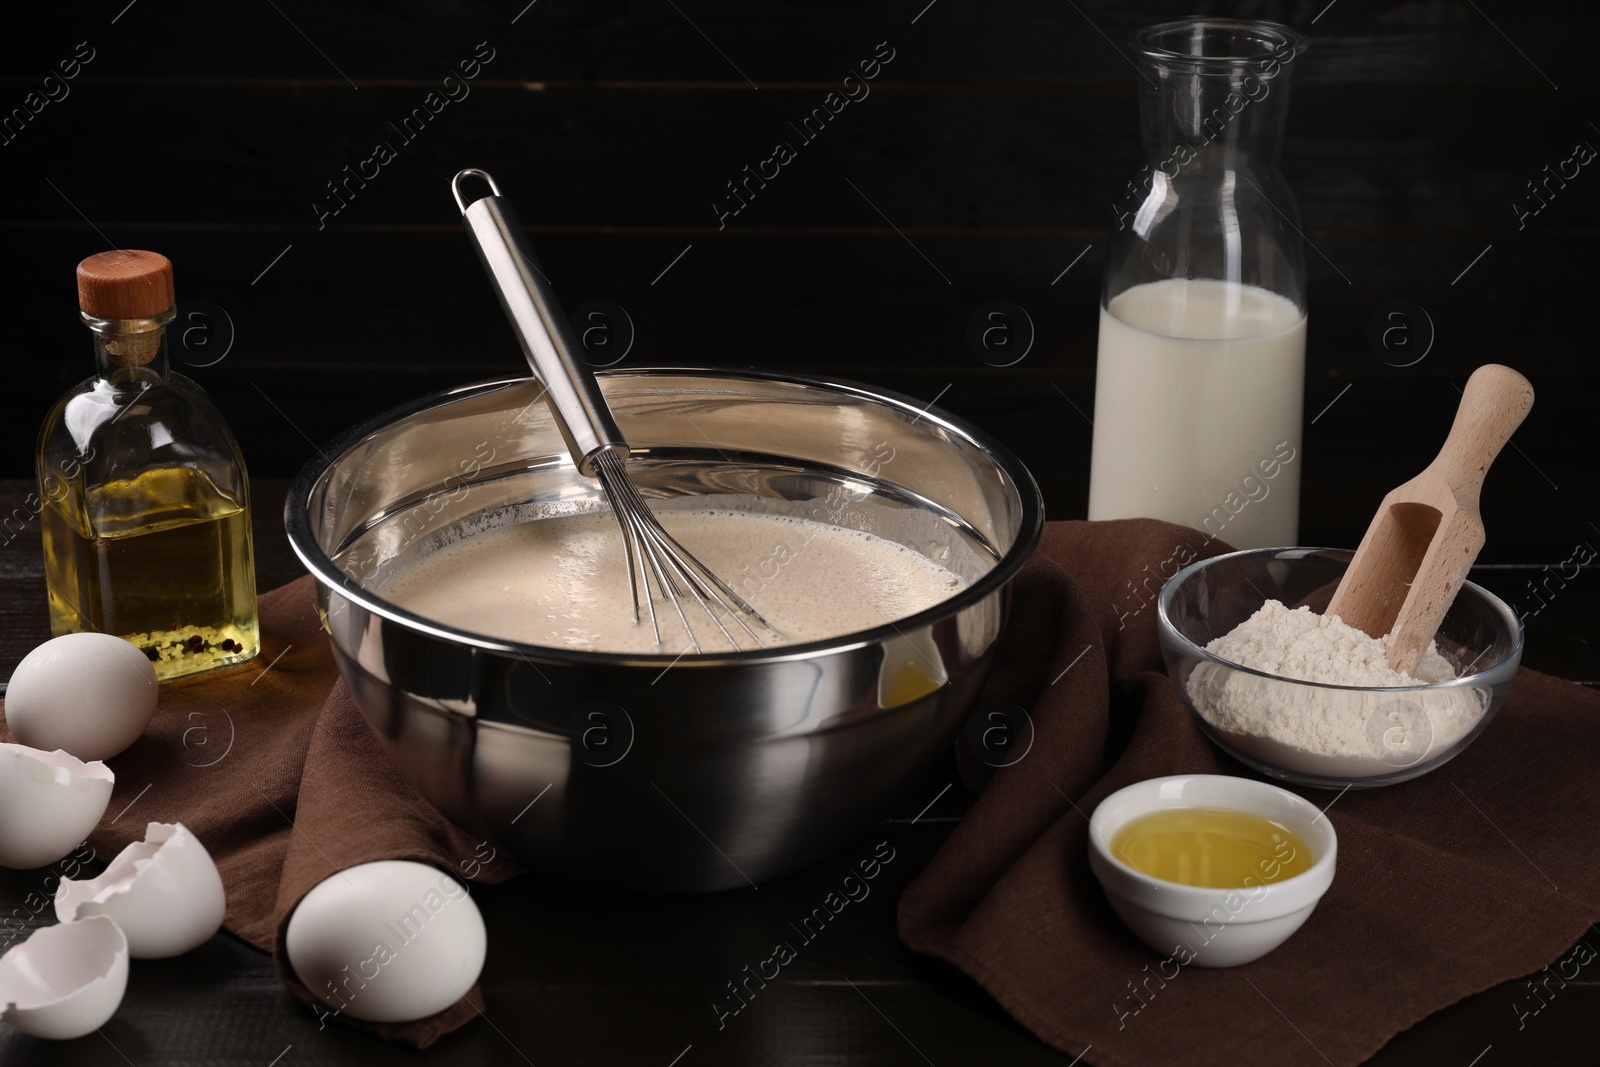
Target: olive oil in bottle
145	500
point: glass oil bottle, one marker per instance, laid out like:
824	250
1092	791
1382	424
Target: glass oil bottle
145	500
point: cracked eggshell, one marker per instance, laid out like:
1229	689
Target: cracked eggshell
389	941
49	802
64	981
164	892
88	694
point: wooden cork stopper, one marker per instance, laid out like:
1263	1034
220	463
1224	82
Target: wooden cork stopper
125	284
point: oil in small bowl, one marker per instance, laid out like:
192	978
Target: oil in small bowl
1215	848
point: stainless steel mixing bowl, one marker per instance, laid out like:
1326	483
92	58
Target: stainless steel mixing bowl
659	772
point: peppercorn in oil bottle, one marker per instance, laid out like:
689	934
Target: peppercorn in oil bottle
145	504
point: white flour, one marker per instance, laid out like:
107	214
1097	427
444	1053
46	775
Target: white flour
1327	732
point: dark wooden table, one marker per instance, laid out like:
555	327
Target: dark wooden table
575	976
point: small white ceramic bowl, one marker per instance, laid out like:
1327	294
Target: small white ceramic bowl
1211	927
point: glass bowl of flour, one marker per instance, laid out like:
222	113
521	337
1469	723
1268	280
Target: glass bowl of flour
1302	697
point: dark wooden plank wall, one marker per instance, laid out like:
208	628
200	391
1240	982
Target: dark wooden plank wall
995	141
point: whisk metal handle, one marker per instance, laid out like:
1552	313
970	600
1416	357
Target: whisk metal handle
547	340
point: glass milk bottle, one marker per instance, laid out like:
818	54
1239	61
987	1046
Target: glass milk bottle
145	500
1200	374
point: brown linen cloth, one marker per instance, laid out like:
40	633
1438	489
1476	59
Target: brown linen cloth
272	768
1474	874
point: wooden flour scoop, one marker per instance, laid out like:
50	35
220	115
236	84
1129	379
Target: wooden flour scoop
1427	532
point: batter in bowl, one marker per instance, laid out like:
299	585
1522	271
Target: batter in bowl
563	582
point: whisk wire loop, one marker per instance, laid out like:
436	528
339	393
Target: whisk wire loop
661	568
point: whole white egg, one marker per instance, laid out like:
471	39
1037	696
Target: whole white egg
49	801
164	892
64	981
390	941
88	694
